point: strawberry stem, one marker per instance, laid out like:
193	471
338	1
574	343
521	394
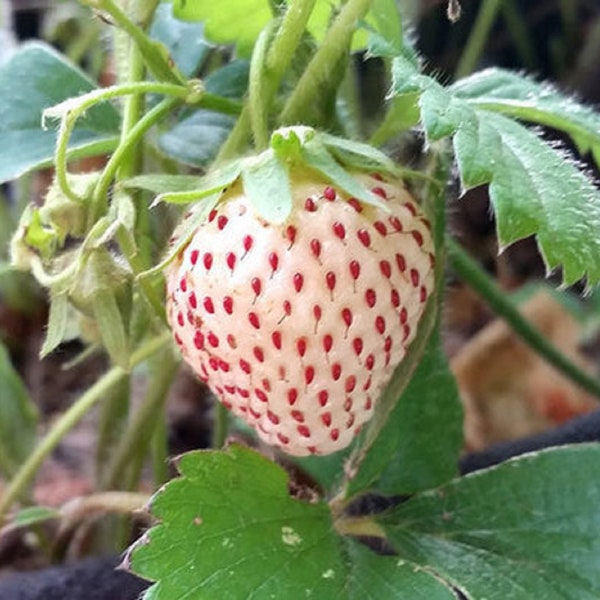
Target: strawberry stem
333	48
277	61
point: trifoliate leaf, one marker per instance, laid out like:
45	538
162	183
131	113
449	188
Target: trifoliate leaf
529	528
228	528
534	188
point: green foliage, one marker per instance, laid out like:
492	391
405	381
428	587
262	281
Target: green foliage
232	525
241	21
419	444
17	414
533	187
529	528
35	78
243	535
523	98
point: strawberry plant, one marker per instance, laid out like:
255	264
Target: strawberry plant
244	222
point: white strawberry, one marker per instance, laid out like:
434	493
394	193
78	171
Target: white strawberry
297	326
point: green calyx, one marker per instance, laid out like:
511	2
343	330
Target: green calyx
265	177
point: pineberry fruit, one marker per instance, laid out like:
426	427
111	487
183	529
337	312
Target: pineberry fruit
297	327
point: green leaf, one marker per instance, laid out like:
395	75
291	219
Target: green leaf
228	21
18	417
198	214
197	139
267	185
241	21
534	188
316	156
529	528
230	81
184	41
33	515
213	182
229	529
35	78
523	98
356	154
419	445
111	327
57	323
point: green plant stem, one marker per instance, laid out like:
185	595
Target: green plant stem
278	59
71	110
157	62
129	456
69	419
333	48
479	35
516	24
503	306
257	100
132	138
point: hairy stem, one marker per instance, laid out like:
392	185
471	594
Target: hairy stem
69	419
116	162
333	48
277	60
503	306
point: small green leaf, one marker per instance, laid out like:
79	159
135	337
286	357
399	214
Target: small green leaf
39	237
37	77
199	213
230	81
229	529
214	181
228	21
523	98
529	528
18	417
419	445
111	327
33	515
317	157
57	323
267	185
357	155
